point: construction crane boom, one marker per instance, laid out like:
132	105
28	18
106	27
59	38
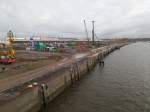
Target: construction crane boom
86	32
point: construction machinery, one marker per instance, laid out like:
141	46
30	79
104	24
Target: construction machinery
8	55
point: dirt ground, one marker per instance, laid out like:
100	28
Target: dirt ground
27	61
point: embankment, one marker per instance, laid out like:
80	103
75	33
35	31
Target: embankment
34	95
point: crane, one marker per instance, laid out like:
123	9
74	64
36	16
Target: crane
9	55
86	32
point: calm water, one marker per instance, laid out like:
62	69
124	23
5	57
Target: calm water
122	85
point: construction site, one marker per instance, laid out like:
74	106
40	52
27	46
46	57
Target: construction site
31	65
35	69
74	56
20	56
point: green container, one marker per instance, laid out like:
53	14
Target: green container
55	50
40	46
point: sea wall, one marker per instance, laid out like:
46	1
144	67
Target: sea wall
36	95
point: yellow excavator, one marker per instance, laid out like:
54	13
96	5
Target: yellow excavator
9	55
11	51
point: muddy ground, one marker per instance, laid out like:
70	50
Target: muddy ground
27	61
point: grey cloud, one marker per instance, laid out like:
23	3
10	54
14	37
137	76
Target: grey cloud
57	17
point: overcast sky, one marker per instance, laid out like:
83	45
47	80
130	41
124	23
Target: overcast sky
65	17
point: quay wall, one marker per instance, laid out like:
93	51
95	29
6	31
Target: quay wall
35	97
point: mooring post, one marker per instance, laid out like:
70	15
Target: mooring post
87	65
71	72
74	74
65	80
77	68
42	92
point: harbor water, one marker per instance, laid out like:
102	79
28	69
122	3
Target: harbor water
121	85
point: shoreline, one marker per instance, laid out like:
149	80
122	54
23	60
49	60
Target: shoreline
56	81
